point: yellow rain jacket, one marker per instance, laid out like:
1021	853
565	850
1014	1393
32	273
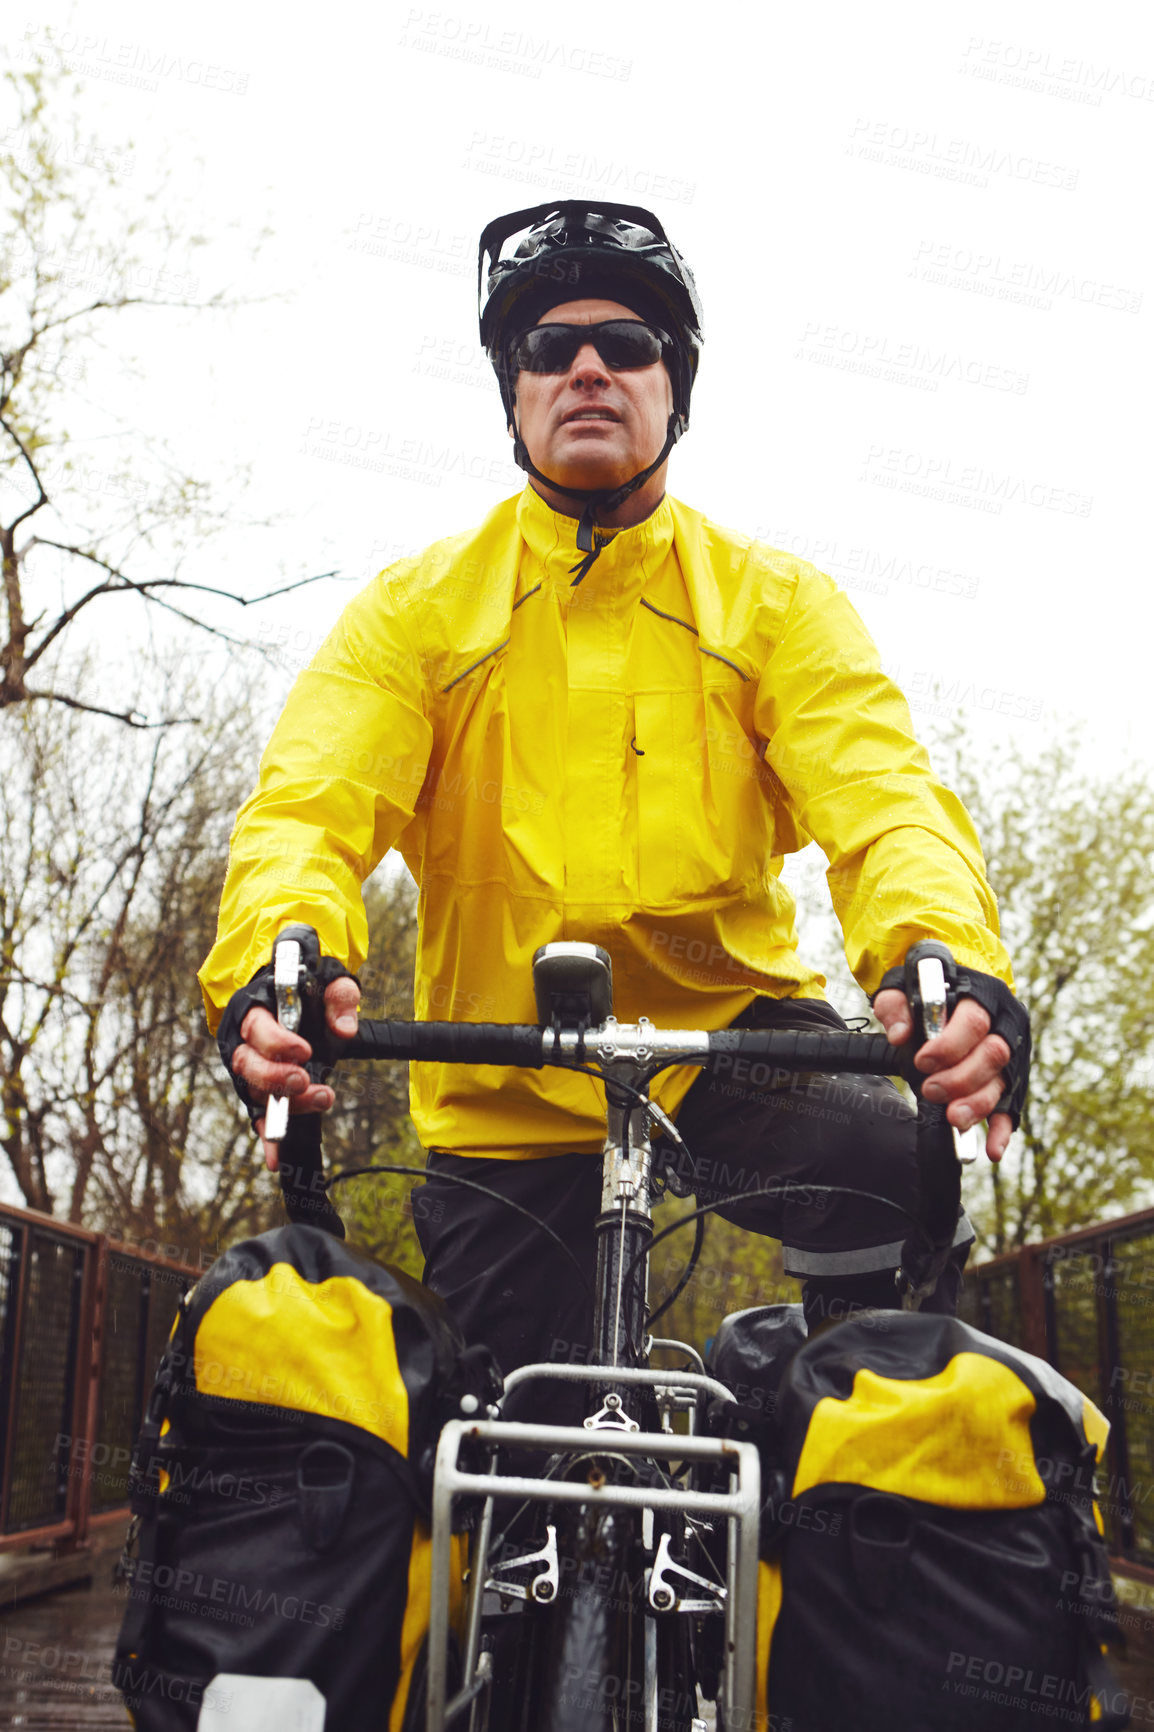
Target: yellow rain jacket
626	761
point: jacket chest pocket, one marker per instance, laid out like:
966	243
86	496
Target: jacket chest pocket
704	794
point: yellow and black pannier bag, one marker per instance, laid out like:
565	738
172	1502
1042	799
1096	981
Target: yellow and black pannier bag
278	1571
933	1559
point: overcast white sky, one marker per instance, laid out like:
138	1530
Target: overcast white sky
921	235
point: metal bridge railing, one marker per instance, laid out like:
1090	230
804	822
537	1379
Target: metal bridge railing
83	1322
1085	1302
84	1319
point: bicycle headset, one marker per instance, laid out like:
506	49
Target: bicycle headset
575	250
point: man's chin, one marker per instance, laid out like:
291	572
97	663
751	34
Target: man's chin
587	469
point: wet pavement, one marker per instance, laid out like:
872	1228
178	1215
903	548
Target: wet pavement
55	1655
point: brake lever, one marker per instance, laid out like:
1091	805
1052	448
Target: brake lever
287	985
931	986
933	1002
300	1009
932	992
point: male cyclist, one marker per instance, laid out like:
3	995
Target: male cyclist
600	716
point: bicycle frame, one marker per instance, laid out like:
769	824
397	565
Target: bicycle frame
626	1055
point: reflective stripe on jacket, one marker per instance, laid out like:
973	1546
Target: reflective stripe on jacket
626	761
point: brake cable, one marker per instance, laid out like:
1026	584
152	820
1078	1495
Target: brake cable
470	1185
687	1275
765	1191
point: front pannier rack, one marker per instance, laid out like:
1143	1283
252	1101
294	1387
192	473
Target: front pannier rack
740	1506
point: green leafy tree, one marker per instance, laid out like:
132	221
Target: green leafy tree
736	1270
1069	848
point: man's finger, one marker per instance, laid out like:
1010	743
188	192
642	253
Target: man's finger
265	1035
317	1098
341	1000
981	1066
892	1010
967	1027
264	1077
979	1105
998	1136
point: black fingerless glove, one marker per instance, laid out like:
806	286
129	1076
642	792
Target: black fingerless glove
314	1027
1008	1018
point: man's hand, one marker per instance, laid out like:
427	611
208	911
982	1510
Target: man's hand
964	1064
270	1058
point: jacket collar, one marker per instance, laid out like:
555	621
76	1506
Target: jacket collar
624	562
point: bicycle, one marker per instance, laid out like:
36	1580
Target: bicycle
624	1497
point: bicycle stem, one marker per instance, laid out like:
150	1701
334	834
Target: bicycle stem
625	1224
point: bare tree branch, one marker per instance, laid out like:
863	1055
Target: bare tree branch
145	588
148	584
132	718
57	205
35	473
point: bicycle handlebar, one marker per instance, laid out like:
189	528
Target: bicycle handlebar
530	1047
804	1049
515	1043
637	1050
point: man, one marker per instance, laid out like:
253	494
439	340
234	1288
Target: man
600	716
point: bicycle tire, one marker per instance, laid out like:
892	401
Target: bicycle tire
591	1676
589	1672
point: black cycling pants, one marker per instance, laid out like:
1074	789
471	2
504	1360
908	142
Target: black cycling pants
746	1127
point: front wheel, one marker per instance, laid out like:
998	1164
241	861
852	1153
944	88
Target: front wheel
591	1676
606	1663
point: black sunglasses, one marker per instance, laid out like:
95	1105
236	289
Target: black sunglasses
622	344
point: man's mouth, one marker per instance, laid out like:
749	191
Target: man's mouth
589	415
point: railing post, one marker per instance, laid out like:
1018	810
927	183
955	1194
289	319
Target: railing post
77	1399
1114	1405
1051	1307
10	1359
1032	1303
78	1497
91	1368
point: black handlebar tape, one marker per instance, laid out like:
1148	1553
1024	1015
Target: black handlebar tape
516	1043
939	1173
926	1250
301	1174
522	1044
798	1049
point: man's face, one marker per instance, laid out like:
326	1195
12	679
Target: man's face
591	426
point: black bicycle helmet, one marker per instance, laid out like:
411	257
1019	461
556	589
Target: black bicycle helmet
577	249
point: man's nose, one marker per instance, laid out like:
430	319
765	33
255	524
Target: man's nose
587	367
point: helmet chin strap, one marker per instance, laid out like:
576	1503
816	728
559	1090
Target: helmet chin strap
595	499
